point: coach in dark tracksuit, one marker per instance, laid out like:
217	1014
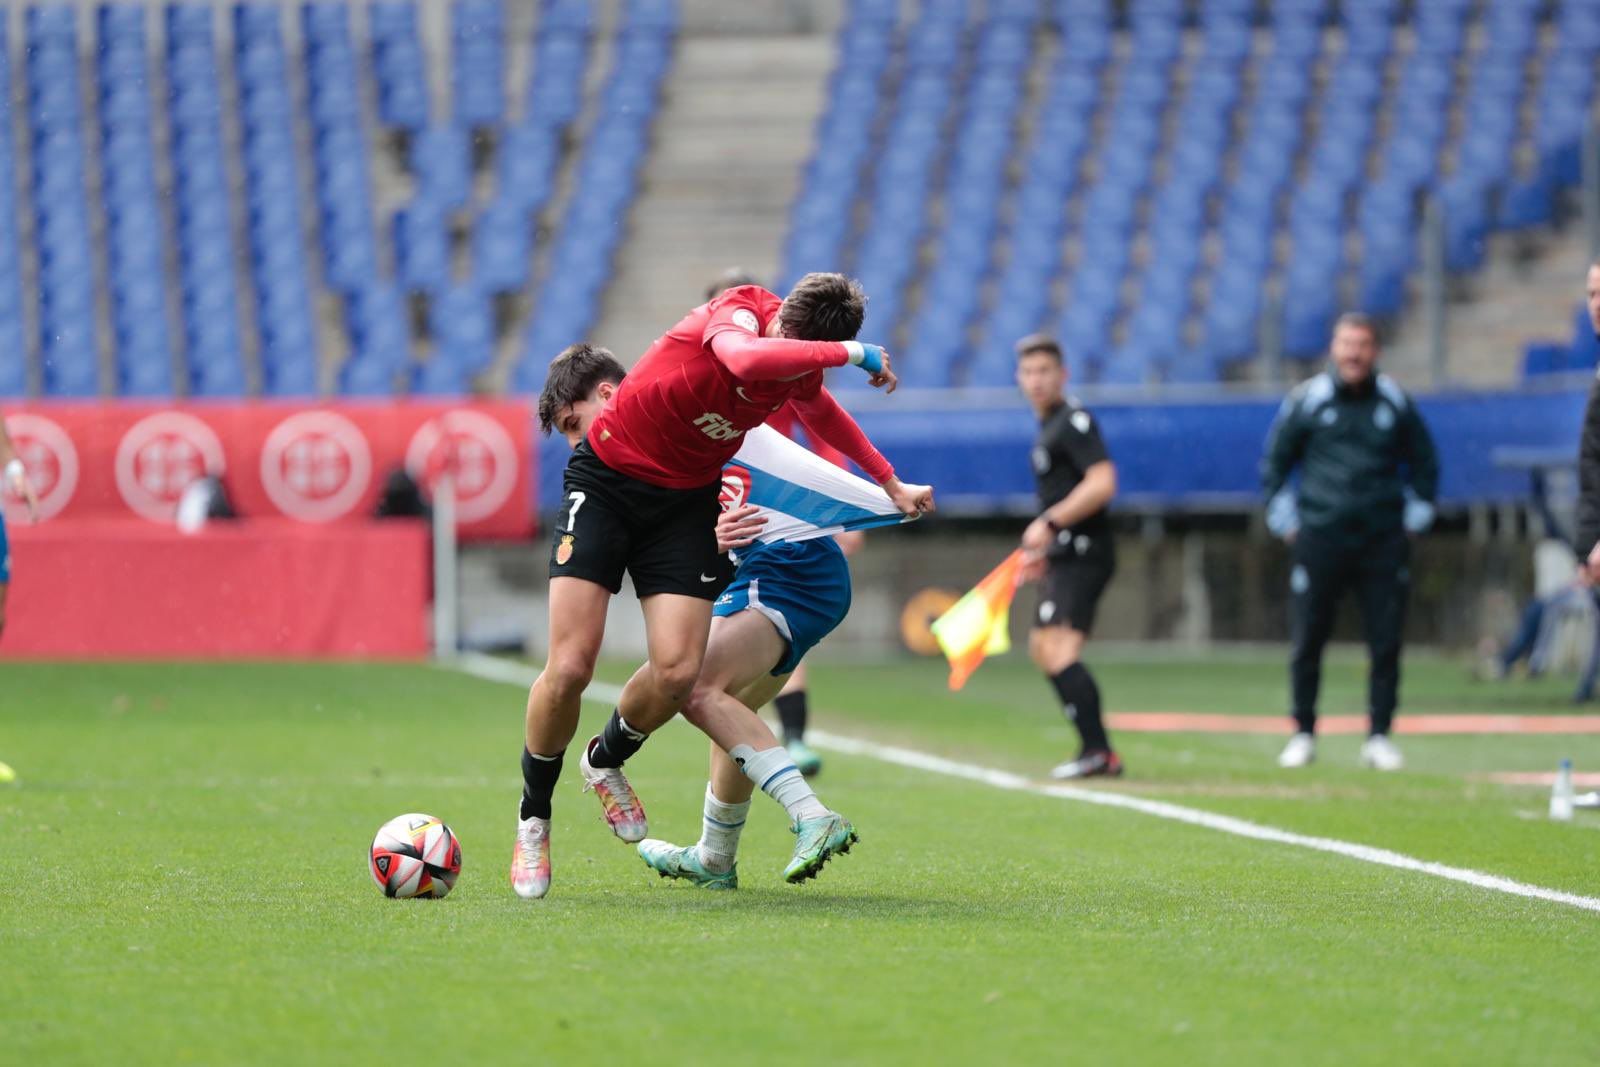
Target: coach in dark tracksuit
1588	536
1368	478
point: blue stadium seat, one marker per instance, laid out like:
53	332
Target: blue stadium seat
461	321
477	67
441	158
502	247
399	64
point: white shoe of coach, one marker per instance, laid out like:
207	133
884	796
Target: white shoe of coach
1379	753
1299	752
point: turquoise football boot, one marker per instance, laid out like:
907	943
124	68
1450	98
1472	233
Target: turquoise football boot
671	861
816	841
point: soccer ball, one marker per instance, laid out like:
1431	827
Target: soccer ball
415	856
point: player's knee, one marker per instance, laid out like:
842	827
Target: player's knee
675	678
694	709
567	675
1054	649
1038	646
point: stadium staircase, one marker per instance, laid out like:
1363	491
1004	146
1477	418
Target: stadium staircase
734	130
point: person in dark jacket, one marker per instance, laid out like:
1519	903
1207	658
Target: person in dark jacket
1368	478
1588	539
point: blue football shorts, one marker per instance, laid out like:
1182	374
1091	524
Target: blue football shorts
5	553
802	587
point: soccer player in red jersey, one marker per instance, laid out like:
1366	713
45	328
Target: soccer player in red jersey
641	495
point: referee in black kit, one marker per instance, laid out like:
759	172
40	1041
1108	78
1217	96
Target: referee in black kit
1069	549
1368	478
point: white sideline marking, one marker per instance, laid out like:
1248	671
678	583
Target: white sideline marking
497	670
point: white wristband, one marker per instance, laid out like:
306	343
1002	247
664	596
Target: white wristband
14	471
857	352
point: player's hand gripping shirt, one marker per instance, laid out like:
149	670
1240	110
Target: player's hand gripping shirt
684	409
801	495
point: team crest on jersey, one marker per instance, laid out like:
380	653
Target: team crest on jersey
1080	421
1041	460
745	319
735	487
1383	417
564	550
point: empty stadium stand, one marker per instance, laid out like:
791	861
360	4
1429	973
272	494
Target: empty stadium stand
385	197
206	214
1161	183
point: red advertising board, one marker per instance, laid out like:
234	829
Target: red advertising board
316	464
90	589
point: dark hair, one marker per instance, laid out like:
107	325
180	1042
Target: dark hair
823	307
1036	344
573	375
731	278
1359	320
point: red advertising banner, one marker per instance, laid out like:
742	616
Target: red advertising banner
265	588
316	464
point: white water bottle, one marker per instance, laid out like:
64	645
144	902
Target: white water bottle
1561	795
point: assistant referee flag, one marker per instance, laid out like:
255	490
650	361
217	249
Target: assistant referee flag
976	626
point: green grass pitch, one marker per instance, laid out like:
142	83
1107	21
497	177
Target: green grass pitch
184	881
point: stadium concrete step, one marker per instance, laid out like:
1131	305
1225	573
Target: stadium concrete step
735	127
1528	290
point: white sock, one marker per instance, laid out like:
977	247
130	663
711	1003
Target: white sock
775	774
720	827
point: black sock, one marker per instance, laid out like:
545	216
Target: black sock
617	742
539	774
792	714
1080	700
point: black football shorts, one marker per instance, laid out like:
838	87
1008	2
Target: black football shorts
610	523
1069	592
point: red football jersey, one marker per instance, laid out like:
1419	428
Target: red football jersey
681	413
788	423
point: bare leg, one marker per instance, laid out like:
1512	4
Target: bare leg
577	625
796	682
743	650
676	630
728	783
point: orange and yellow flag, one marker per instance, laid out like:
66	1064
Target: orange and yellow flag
976	627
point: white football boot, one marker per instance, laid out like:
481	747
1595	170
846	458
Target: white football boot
1299	752
530	861
1379	753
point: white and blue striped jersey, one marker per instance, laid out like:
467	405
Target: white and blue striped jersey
801	495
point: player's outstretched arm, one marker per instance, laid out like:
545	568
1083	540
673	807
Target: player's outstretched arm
826	421
755	359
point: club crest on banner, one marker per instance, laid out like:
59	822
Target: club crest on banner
51	460
159	457
316	466
477	451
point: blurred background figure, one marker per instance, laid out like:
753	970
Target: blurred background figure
15	483
1368	478
1068	548
1588	535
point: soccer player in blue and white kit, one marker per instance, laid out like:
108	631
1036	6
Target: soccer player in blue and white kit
16	481
783	506
789	592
